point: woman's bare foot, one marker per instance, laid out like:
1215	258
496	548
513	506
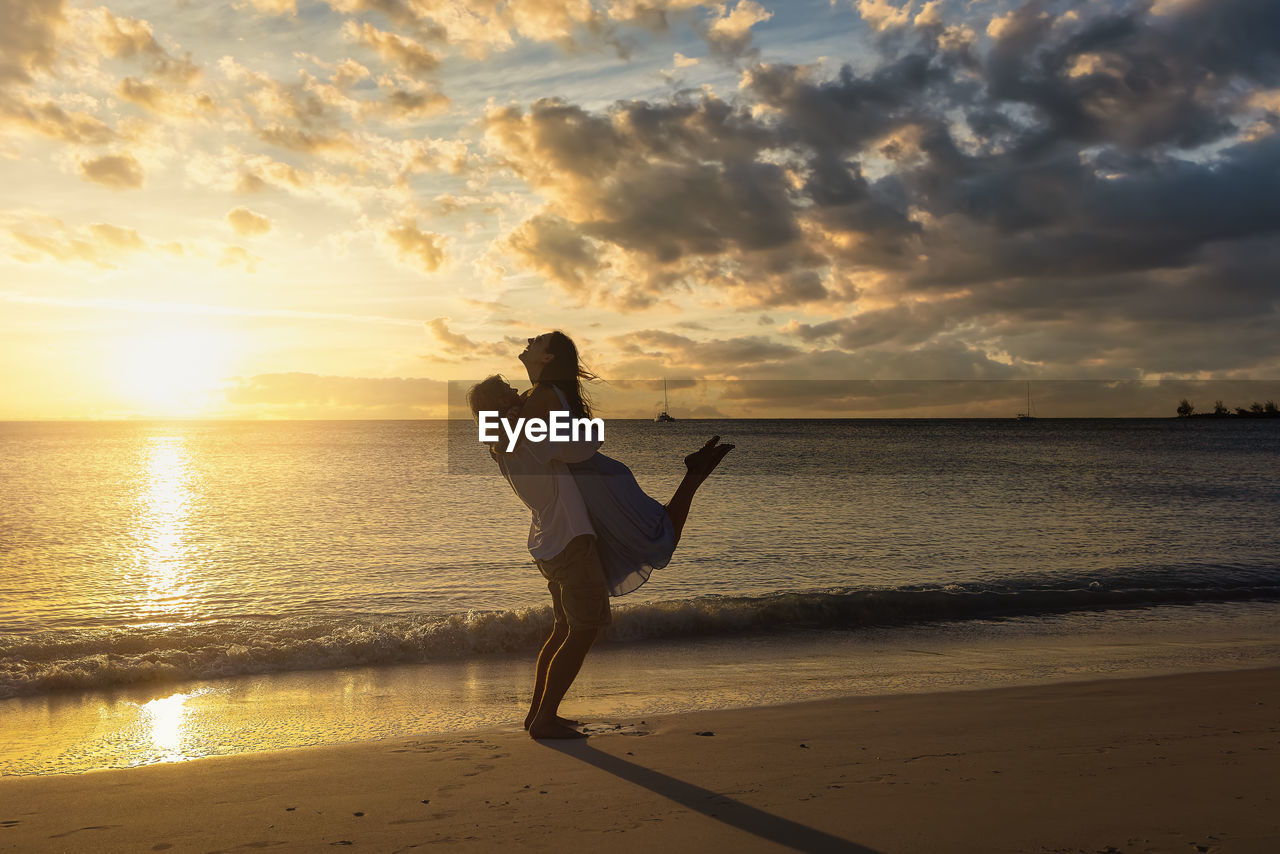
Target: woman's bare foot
704	460
553	729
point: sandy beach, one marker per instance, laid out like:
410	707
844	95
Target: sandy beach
1171	763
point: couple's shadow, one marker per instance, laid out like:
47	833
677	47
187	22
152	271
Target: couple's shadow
714	805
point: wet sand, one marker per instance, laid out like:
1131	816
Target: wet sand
1173	763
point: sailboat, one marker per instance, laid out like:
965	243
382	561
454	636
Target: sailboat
664	417
1027	416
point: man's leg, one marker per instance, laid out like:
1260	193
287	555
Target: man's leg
581	600
699	466
559	632
564	668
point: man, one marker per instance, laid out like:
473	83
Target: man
562	543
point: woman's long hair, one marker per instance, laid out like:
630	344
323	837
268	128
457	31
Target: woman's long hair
566	373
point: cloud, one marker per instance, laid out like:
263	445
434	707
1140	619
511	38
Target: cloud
651	352
167	101
100	244
552	246
246	223
50	120
117	171
117	238
661	196
421	249
885	14
307	116
1078	195
903	325
308	395
729	36
407	100
1064	188
29	39
480	28
128	38
459	346
348	73
239	257
420	20
930	14
403	52
276	7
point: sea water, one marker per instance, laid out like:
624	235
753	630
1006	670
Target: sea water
253	585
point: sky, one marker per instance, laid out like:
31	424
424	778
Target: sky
297	209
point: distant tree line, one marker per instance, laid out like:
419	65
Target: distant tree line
1187	409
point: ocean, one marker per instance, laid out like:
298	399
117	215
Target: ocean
287	583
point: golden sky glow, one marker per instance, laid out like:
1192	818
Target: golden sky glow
328	209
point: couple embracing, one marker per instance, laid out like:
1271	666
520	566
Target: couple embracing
594	532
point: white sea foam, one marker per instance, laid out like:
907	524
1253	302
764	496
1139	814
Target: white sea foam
100	658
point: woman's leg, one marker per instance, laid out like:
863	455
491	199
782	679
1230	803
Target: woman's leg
699	466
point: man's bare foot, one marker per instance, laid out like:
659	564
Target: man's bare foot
553	729
528	721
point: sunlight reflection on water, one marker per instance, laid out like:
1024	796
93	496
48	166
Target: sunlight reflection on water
163	521
167	718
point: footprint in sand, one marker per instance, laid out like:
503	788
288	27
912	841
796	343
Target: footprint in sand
90	827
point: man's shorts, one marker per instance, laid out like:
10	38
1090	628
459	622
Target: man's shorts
575	578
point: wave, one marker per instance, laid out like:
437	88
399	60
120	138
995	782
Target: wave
83	659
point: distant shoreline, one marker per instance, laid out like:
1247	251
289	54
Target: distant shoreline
1231	415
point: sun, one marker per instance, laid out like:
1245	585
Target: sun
173	372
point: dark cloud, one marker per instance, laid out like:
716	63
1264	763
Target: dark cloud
661	195
651	352
1091	187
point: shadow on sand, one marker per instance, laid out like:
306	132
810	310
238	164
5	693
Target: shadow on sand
712	804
